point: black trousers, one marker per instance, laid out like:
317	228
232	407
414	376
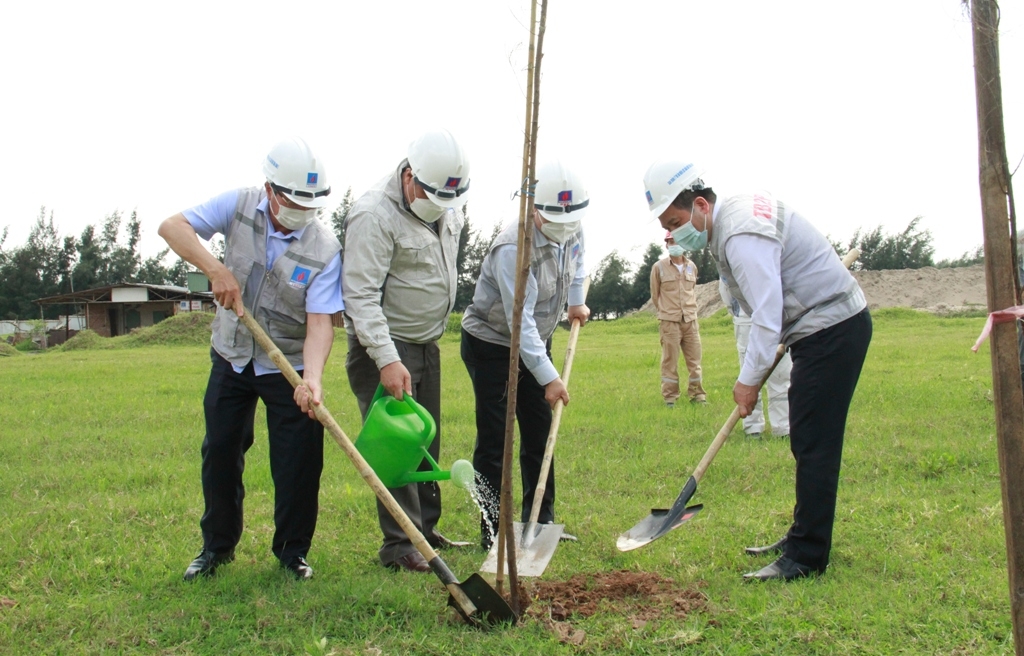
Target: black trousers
826	367
296	459
488	369
420	501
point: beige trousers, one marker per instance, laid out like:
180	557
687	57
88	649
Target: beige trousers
680	336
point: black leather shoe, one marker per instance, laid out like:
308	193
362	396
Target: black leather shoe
299	568
439	541
412	562
770	549
207	562
782	569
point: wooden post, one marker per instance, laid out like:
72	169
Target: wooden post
524	245
1000	278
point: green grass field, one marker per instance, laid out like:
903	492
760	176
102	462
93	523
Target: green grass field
100	502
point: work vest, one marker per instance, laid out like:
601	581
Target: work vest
485	317
822	295
276	298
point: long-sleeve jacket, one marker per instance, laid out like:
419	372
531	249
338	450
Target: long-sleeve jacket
673	292
399	278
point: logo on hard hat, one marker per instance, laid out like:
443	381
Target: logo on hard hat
300	277
680	173
272	162
453	183
565	198
311	179
650	198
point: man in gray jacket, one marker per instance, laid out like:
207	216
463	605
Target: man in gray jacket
791	282
555	278
399	284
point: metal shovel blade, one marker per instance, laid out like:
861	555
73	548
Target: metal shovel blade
491	607
532	559
652	527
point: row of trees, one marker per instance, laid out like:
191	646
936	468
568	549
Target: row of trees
49	264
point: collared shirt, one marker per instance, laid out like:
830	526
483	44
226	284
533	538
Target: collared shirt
323	295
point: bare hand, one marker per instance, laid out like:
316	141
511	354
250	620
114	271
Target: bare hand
581	312
745	397
554	391
308	395
396	379
227	292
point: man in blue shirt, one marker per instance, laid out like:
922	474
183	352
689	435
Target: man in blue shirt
284	266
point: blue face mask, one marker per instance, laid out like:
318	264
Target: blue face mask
689	238
675	250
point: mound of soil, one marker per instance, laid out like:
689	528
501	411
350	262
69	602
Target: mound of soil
7	350
940	291
184	329
640	595
85	339
637	596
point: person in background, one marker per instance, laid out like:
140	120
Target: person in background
791	282
284	265
673	285
556	278
400	278
777	384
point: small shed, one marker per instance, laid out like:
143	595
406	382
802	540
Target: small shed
117	309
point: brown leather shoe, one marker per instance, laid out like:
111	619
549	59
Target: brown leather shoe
412	562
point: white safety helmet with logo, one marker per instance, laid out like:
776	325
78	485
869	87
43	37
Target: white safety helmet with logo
560	196
668	178
295	172
441	167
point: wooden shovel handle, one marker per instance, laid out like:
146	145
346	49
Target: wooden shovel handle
364	469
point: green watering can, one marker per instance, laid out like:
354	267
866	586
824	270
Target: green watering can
394	441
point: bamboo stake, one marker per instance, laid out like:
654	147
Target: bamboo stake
1000	278
506	537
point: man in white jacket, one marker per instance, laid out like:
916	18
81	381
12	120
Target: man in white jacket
791	282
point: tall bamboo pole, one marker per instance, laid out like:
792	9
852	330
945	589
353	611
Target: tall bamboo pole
1000	278
524	244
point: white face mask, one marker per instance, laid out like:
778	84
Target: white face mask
426	210
560	232
293	219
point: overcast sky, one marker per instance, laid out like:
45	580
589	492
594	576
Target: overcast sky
857	114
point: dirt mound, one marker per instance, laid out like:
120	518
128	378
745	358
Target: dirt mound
8	350
185	329
940	291
84	340
639	595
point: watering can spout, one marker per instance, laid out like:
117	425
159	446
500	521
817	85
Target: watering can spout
395	438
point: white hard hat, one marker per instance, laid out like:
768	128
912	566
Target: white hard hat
440	166
560	196
668	178
293	170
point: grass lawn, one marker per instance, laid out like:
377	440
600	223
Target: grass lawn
100	502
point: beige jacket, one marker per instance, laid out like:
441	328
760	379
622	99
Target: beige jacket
673	292
399	277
